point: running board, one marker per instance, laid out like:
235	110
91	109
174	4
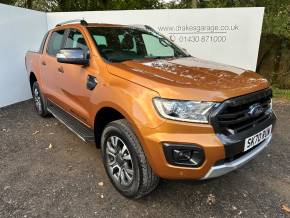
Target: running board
82	131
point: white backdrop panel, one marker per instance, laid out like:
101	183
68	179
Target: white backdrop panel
229	36
21	30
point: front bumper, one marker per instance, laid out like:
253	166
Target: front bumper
225	168
201	135
221	154
215	164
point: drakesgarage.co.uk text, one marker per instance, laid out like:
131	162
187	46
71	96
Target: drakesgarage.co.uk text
198	33
198	28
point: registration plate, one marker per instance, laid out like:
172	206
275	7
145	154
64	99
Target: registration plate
257	138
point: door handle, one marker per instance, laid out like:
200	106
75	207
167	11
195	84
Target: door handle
60	69
43	63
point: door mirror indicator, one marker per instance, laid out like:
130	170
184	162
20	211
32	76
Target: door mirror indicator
72	56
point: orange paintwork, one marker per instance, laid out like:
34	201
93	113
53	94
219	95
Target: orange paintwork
129	88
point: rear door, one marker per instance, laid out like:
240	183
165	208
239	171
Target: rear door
74	78
51	69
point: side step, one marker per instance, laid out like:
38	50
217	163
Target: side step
82	131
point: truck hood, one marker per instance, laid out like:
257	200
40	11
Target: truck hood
190	78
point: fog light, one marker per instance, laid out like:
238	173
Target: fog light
184	154
181	155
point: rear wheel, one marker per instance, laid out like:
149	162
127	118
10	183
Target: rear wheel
125	161
39	100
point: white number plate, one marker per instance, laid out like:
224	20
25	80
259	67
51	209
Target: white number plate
257	138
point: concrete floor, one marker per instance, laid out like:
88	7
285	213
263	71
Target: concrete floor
47	171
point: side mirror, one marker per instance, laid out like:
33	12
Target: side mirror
72	56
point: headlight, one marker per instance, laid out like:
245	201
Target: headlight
189	111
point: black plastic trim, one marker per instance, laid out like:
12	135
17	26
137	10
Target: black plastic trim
74	122
168	148
91	82
234	144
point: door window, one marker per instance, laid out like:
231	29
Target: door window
55	42
76	40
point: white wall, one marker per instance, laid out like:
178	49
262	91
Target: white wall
21	30
238	47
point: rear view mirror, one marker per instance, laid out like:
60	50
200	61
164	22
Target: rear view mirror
163	42
72	56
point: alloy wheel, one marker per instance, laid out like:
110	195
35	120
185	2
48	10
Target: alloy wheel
119	161
37	100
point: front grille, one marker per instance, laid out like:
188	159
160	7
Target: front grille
232	117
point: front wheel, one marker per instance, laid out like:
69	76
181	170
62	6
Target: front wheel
39	100
125	161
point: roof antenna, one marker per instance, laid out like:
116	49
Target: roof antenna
84	22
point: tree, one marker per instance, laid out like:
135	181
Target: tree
29	4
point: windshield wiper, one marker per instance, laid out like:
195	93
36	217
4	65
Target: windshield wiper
160	57
121	60
164	57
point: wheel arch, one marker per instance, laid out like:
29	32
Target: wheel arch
32	79
105	115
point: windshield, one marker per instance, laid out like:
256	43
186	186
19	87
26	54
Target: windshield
117	44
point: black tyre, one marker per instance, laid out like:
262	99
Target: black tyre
125	161
39	100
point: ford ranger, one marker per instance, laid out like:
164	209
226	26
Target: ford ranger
154	110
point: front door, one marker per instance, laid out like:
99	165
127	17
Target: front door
51	68
73	81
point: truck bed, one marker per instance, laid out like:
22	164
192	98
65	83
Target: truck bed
32	61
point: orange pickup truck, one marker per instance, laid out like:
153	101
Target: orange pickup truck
154	110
